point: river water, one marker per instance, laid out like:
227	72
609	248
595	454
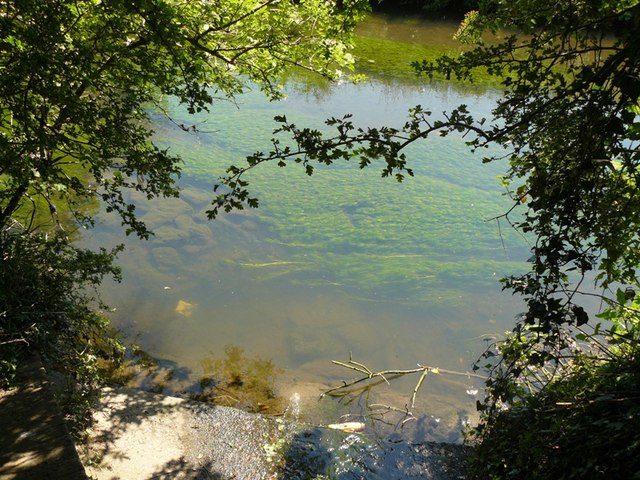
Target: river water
344	262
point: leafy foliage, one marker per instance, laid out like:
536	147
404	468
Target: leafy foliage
310	147
402	6
581	426
47	305
78	79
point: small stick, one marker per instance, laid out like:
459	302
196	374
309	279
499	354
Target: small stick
418	385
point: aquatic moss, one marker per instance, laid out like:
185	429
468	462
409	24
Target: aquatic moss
350	226
345	226
391	62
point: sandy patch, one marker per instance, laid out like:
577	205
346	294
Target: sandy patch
140	435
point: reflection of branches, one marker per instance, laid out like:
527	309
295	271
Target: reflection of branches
378	411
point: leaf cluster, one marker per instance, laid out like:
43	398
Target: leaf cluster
584	425
569	129
569	118
310	148
48	305
78	79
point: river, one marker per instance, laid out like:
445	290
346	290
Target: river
342	263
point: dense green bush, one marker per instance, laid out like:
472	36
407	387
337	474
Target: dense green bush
584	426
48	307
573	412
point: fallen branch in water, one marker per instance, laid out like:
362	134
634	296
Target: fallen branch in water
376	378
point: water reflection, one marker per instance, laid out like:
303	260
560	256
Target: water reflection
192	290
241	382
412	30
233	380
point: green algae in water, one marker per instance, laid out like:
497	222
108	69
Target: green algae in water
343	261
350	227
385	49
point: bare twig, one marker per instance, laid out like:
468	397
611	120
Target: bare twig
418	385
16	340
384	376
407	415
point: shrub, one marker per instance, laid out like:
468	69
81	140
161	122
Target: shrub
49	307
585	425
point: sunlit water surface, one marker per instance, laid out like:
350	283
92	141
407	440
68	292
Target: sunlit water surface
344	261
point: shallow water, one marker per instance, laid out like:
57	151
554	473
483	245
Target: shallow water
345	261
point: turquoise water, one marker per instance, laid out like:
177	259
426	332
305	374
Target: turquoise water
344	261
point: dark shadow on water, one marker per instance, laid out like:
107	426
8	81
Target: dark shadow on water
233	379
324	453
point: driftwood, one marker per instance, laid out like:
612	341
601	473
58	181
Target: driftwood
369	379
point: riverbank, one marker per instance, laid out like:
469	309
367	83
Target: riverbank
140	435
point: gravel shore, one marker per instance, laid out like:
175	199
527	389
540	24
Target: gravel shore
141	435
